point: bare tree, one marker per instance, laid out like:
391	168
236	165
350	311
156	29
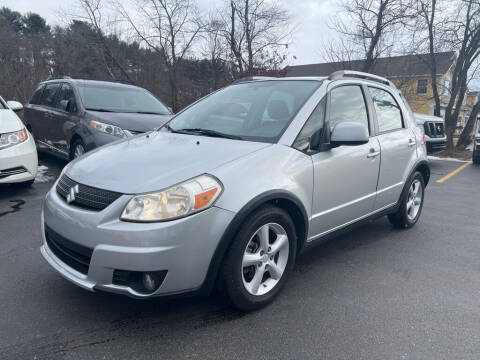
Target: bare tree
168	27
463	33
368	26
427	10
214	48
93	10
256	32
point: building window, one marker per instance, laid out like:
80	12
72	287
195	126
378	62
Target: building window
446	89
422	86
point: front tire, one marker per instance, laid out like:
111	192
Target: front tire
77	150
476	159
260	259
411	204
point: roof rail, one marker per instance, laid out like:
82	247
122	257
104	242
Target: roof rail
253	78
58	78
337	75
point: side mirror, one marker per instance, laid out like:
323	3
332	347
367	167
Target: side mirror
349	133
15	105
170	109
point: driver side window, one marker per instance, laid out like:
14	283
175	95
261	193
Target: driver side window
66	99
347	104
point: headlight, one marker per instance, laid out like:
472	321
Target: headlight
109	129
178	201
13	138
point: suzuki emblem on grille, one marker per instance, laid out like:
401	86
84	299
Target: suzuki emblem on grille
439	128
71	194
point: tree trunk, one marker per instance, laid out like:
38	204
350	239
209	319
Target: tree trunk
370	56
450	126
433	62
248	38
233	44
465	136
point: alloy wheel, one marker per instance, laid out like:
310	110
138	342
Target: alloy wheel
265	259
414	199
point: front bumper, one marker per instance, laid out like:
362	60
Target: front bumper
183	247
435	145
24	156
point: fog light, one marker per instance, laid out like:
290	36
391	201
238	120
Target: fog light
149	282
142	282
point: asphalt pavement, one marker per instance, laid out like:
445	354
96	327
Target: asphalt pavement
375	293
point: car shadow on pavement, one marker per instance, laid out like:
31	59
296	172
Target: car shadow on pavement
98	318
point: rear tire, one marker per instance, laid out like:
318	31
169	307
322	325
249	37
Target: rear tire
257	265
476	159
411	204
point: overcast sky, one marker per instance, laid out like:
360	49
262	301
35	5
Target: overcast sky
310	18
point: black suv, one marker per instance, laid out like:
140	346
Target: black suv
69	117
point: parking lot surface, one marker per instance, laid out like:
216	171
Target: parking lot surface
374	293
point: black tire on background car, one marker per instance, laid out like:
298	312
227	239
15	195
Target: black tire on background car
25	183
476	159
77	149
411	203
260	259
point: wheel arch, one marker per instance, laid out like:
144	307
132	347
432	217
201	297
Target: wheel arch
424	168
281	198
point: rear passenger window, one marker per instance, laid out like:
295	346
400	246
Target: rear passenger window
48	95
36	95
347	104
389	116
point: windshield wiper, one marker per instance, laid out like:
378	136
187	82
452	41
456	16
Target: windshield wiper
149	112
206	132
102	110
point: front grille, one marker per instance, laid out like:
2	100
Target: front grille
74	255
434	129
87	197
12	171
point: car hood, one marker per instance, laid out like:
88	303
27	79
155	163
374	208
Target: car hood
155	161
131	121
421	119
9	121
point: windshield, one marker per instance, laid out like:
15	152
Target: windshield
257	111
117	98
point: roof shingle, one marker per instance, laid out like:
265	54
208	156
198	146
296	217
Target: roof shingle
390	67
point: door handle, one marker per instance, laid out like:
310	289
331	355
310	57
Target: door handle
373	153
411	142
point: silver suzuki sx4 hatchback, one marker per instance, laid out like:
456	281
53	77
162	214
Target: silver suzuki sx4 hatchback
232	188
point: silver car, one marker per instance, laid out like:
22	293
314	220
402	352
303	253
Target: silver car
235	186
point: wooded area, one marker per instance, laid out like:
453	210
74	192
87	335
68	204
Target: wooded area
172	53
169	48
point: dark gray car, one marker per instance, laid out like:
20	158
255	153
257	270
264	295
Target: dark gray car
69	117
